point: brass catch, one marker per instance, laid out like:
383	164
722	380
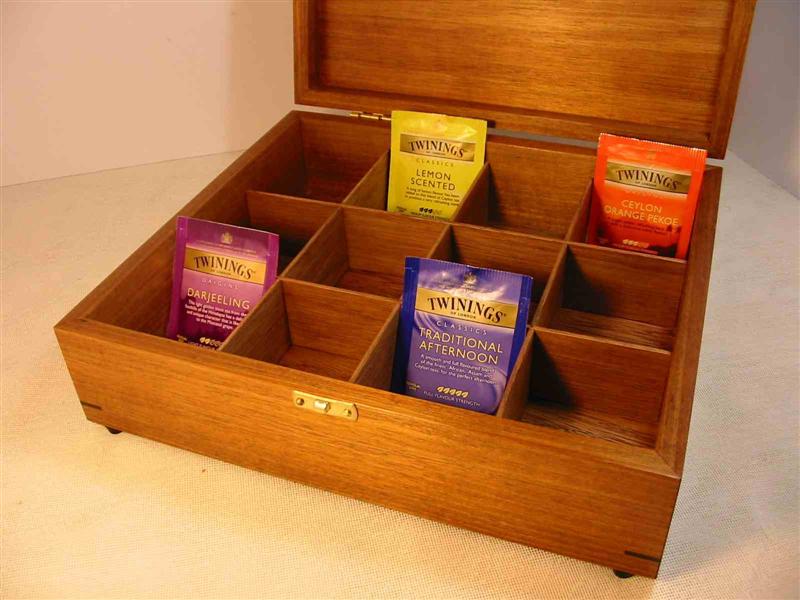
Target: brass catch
325	406
371	116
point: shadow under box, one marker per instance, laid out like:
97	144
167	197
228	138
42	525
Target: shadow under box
141	301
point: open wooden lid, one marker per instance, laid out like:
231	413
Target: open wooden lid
666	70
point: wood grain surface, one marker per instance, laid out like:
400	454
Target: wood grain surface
364	250
667	71
673	429
623	284
482	247
572	462
615	328
303	326
295	220
372	190
534	188
577	495
315	165
585	454
599	375
474	207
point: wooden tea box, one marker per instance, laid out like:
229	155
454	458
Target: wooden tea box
586	452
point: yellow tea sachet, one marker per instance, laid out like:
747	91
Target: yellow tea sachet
435	159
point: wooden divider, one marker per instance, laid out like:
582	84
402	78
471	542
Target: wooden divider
365	250
376	367
371	191
324	258
595	387
604	376
553	294
595	311
311	328
328	157
534	189
295	220
264	333
474	207
615	294
577	227
517	393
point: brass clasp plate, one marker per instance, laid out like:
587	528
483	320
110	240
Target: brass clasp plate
325	406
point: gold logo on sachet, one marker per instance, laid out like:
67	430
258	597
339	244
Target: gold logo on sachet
485	312
449	149
651	179
210	263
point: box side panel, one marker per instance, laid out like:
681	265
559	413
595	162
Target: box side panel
498	478
679	395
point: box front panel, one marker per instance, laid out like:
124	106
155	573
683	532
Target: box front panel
474	471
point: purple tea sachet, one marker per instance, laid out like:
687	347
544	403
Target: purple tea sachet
219	273
461	329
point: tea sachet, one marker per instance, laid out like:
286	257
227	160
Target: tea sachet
219	274
645	195
434	160
461	329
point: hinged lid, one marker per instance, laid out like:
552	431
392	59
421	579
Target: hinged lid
666	70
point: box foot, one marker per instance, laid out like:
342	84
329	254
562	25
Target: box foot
622	574
113	431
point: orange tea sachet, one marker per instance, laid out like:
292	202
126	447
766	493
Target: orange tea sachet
644	195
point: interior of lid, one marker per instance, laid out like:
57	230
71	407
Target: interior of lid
666	70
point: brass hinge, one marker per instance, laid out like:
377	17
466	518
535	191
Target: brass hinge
325	406
371	116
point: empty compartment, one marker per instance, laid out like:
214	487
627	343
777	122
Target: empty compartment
312	328
504	251
598	388
615	294
365	251
530	187
141	301
325	156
